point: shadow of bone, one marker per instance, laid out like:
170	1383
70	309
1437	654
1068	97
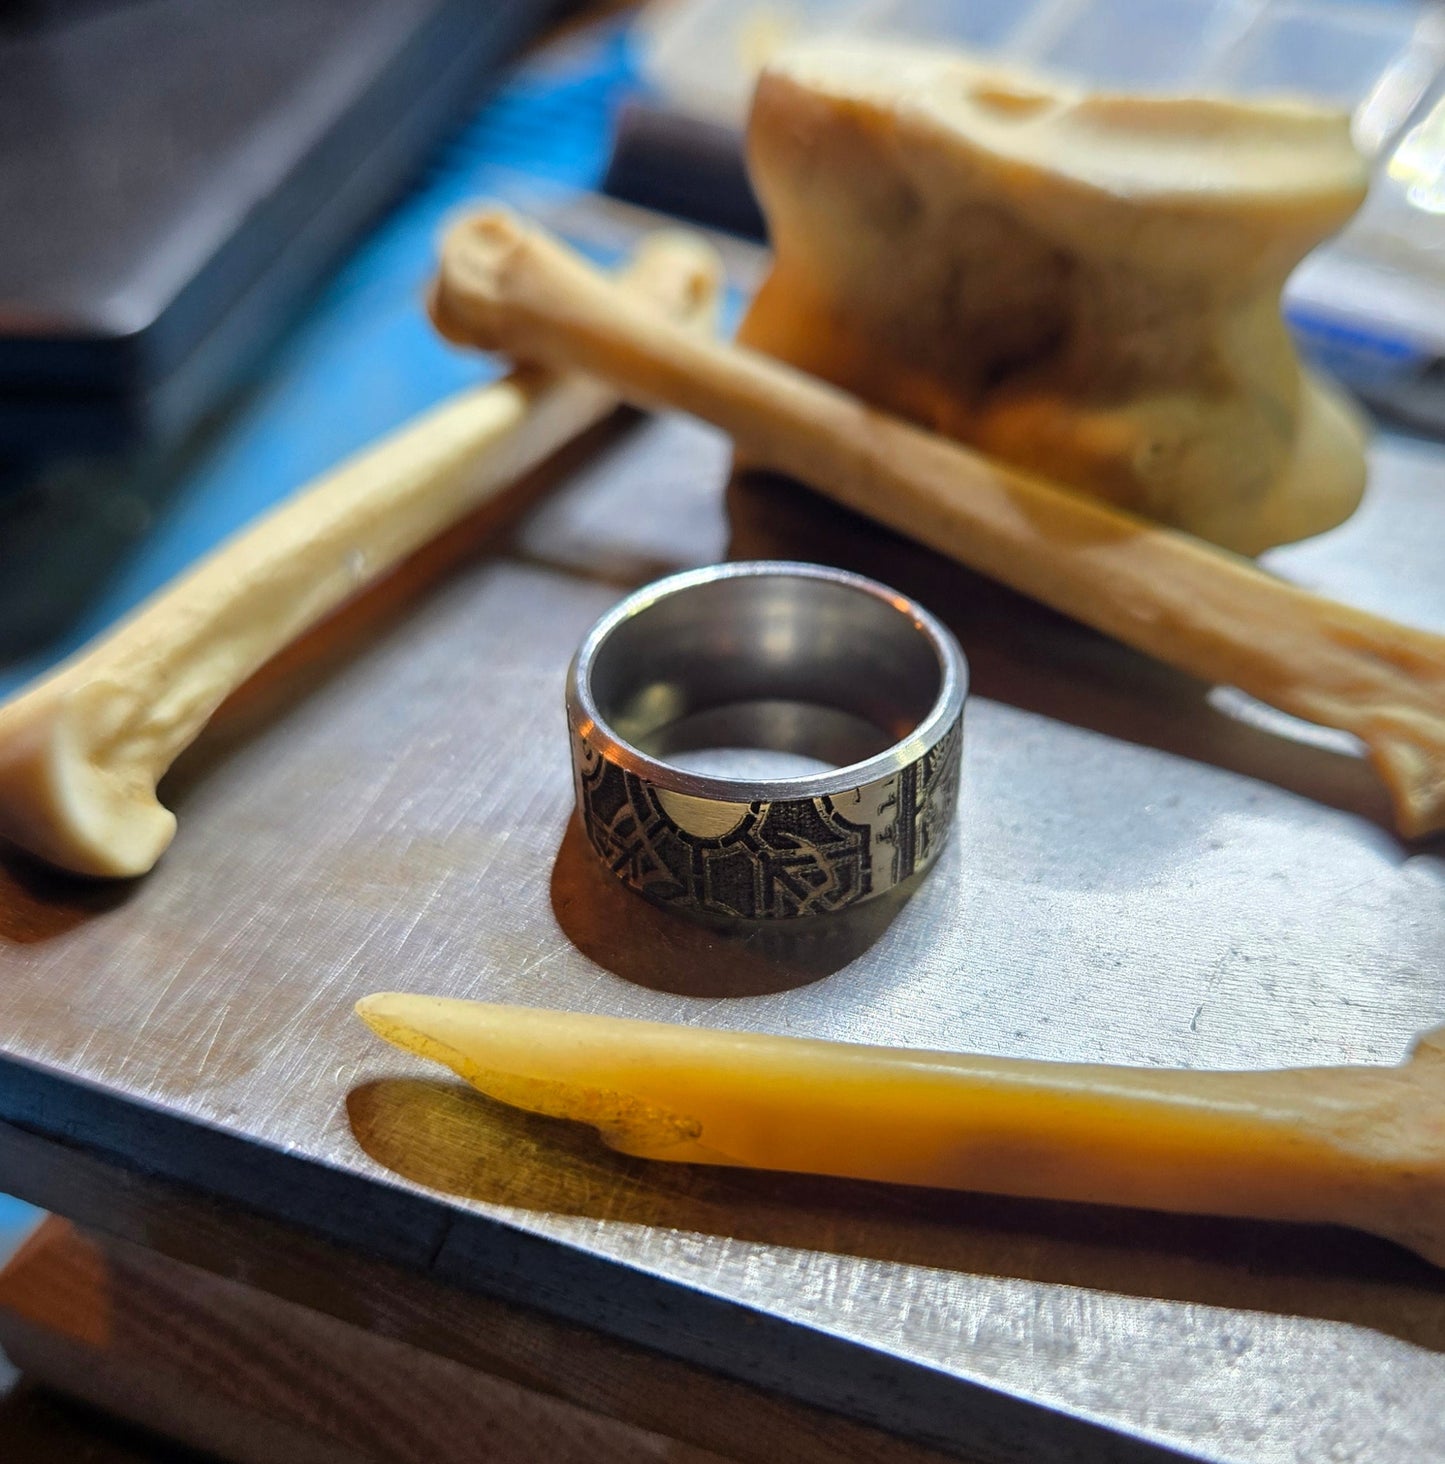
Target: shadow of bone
38	903
446	1137
1025	655
664	950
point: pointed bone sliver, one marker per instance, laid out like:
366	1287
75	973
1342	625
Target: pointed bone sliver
81	752
1356	1146
1212	614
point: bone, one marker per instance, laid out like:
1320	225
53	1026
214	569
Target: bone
82	751
1084	285
1356	1146
504	285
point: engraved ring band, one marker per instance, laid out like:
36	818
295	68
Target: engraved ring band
766	740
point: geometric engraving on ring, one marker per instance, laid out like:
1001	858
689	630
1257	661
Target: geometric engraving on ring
781	858
922	803
938	798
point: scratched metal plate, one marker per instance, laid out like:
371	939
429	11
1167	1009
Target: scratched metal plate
1142	872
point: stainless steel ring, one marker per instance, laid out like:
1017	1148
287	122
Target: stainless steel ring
815	664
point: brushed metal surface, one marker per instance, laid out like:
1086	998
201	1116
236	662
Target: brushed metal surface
1142	871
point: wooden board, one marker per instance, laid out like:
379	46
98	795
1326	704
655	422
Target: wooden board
597	1375
232	1370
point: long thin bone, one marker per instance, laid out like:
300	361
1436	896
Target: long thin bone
1356	1146
81	752
506	286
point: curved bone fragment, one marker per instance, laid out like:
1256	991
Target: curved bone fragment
1084	285
504	285
1356	1146
81	752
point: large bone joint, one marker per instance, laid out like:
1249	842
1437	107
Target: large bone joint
1084	285
82	751
1356	1146
504	285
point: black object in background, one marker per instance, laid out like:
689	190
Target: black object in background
685	166
176	174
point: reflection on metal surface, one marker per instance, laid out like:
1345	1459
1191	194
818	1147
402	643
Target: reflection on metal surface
1419	162
1134	876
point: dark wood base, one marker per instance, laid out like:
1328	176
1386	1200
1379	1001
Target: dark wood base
232	1333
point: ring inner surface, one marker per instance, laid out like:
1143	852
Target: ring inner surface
766	676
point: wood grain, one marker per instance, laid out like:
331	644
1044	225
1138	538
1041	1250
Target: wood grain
568	1363
227	1368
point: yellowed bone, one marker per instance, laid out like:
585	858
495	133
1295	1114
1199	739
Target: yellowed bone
81	752
1356	1146
509	286
1084	285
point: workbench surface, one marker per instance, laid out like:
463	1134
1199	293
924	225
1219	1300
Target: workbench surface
1143	870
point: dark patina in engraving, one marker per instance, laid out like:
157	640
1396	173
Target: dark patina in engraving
919	807
937	795
779	859
768	859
